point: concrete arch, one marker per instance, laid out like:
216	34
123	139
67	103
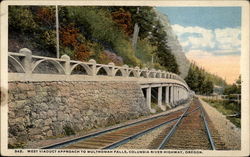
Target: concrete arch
85	67
17	65
152	74
158	75
132	73
143	74
163	75
57	65
122	71
104	69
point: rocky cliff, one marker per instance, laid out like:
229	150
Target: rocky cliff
174	45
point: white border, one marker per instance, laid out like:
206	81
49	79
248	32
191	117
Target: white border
244	65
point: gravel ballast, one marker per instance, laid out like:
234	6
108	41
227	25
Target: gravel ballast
230	134
35	144
144	142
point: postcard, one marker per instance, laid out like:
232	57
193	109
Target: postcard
124	78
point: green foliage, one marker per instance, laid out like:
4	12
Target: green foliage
201	81
144	51
152	30
198	80
235	88
164	57
19	145
67	51
94	22
167	60
35	24
68	130
125	50
21	19
97	25
156	107
216	80
48	39
85	32
227	107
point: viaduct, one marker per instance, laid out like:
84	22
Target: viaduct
167	89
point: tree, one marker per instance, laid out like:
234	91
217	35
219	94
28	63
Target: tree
198	80
124	20
152	30
235	88
87	32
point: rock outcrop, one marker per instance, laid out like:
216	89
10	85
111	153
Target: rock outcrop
174	45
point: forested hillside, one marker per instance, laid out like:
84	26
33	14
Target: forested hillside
201	81
101	33
106	34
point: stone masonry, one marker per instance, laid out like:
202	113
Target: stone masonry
38	110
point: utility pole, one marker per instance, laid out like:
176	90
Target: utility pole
136	32
57	34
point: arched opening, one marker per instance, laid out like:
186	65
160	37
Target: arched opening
118	73
48	67
79	70
102	71
151	75
131	74
14	65
143	74
158	75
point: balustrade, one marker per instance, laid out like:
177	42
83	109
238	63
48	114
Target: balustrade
25	62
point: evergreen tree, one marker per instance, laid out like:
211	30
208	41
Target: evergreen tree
235	88
86	32
198	80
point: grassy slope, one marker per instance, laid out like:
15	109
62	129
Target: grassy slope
227	108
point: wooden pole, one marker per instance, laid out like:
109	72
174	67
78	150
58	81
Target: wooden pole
57	34
136	32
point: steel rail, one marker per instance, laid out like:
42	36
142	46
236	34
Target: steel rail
132	137
171	132
82	138
207	130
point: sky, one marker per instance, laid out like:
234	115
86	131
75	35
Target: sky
209	36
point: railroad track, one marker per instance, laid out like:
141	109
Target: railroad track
114	137
187	128
219	144
192	131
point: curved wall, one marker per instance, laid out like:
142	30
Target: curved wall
38	110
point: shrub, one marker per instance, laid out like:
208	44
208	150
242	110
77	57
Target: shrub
144	51
45	16
124	49
68	130
97	25
106	57
21	20
124	20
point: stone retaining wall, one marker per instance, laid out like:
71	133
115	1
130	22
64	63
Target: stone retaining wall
38	110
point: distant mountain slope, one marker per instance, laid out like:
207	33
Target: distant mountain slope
174	45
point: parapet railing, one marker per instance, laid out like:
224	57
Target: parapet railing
25	62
